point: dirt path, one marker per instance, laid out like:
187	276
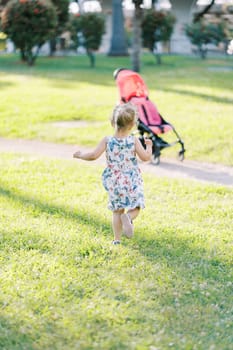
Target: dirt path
211	173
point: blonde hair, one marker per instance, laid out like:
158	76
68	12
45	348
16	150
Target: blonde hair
124	115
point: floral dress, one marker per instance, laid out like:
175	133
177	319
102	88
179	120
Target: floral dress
122	176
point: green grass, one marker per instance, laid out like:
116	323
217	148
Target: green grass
63	286
197	100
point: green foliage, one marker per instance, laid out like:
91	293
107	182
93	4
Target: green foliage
91	26
157	26
203	33
62	10
29	23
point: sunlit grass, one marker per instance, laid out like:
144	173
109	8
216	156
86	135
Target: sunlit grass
196	100
63	286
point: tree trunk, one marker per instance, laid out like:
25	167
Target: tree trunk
199	15
118	40
91	56
23	55
203	52
30	58
52	46
157	58
137	35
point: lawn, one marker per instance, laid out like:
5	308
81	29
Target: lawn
64	287
195	96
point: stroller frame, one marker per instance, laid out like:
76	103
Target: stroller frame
140	99
158	143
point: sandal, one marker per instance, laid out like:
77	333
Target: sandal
115	242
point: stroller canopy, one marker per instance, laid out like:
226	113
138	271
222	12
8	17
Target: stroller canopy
130	84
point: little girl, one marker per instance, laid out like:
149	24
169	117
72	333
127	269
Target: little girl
122	177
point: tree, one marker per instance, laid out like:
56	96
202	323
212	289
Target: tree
29	24
203	33
90	27
137	35
211	29
62	9
201	14
118	43
157	26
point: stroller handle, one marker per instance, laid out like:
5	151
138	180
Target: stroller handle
117	71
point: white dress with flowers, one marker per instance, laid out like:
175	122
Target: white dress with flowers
122	176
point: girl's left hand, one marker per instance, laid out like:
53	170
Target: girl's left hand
148	142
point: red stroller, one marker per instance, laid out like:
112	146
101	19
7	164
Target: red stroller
133	89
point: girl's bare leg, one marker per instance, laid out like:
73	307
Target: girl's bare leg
133	213
117	224
127	221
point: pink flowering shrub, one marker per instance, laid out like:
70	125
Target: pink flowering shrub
91	26
29	24
157	26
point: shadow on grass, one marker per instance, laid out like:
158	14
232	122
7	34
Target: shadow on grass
13	336
5	84
53	210
186	264
221	177
70	70
177	252
74	69
207	98
167	246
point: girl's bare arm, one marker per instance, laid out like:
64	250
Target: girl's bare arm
143	154
92	155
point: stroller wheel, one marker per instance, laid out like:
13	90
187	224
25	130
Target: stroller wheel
181	156
156	160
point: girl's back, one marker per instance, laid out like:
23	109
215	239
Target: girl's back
120	153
